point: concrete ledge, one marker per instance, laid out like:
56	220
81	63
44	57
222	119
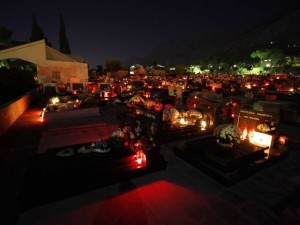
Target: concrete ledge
73	138
11	111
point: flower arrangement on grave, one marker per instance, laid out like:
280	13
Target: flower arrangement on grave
146	142
228	134
136	99
144	138
170	114
149	103
155	105
158	106
100	146
117	138
192	116
136	138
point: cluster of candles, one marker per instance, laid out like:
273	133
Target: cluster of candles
203	123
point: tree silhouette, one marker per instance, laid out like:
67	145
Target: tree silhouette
64	46
113	65
5	35
36	31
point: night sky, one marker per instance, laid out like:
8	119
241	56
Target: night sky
104	30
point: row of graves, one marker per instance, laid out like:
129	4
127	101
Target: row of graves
228	152
228	138
174	120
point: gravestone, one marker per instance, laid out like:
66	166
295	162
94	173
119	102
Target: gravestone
257	120
149	120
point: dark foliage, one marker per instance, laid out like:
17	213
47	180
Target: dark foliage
14	83
37	32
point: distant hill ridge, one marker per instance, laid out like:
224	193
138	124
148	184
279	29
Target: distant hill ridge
232	44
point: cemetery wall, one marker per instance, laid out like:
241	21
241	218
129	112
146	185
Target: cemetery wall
11	111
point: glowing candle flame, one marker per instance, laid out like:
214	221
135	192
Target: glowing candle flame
245	133
182	121
203	125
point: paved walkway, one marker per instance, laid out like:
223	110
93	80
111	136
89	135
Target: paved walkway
18	145
179	195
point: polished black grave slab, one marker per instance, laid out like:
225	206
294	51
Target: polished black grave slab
227	166
52	178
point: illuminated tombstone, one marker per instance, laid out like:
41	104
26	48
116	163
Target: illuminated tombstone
259	128
206	107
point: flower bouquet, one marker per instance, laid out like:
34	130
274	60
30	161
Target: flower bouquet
136	99
100	146
170	114
228	134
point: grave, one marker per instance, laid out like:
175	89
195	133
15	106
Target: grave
259	147
68	170
195	119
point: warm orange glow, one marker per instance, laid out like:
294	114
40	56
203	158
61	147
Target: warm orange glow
248	86
250	134
54	100
42	115
203	124
183	121
245	134
147	95
282	139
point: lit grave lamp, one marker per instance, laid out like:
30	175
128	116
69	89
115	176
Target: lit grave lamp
203	125
42	115
261	139
147	95
54	100
76	104
248	86
282	140
182	121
